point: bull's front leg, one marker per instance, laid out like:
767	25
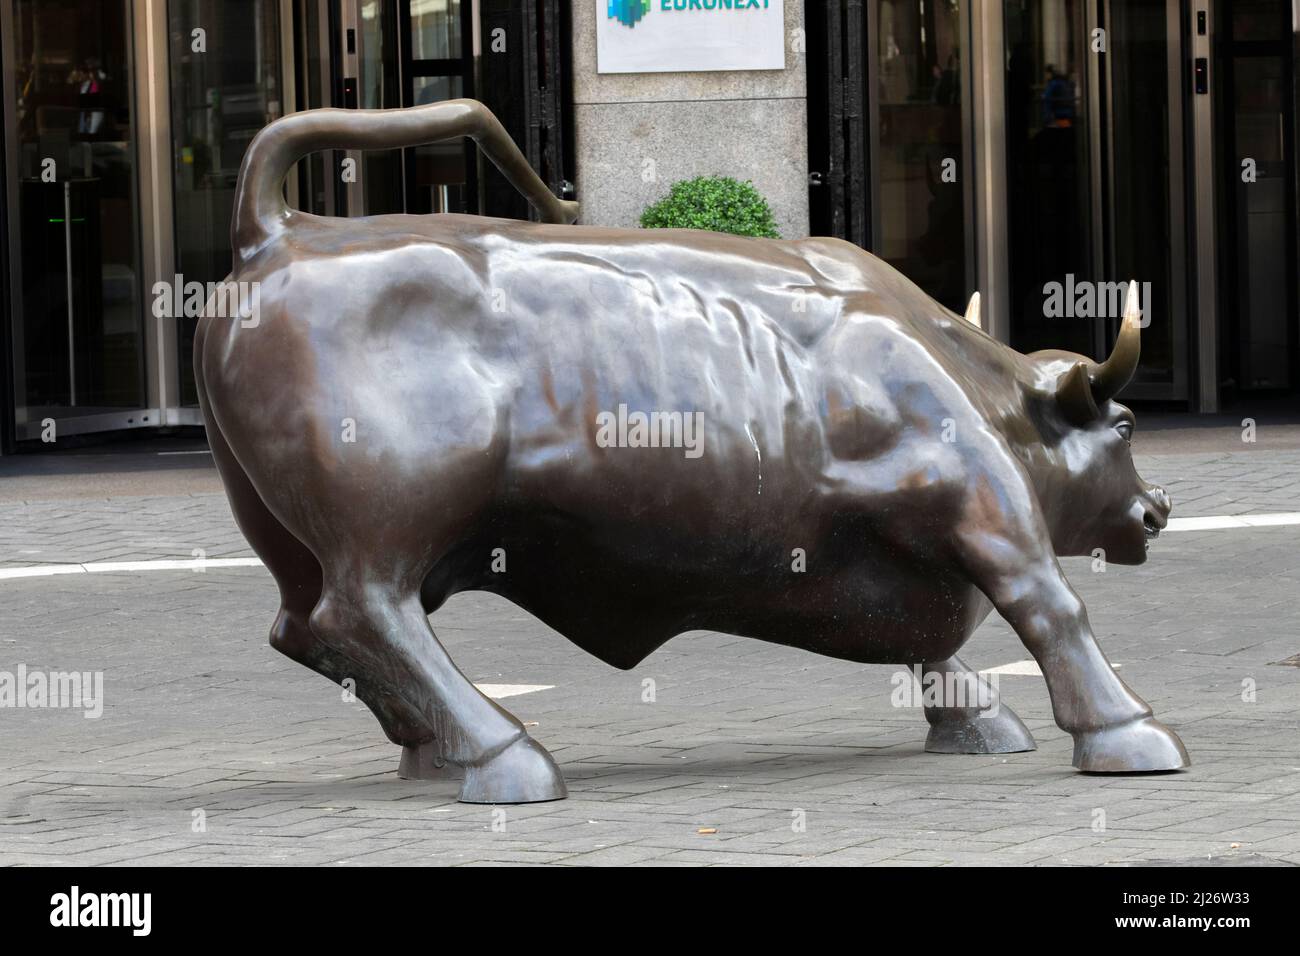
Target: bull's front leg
1112	727
1007	550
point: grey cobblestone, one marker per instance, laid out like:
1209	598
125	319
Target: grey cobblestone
201	714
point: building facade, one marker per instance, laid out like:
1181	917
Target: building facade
1042	152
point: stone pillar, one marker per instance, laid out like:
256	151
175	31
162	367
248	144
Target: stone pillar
744	124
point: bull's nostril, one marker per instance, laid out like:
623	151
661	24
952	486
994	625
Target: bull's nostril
1159	501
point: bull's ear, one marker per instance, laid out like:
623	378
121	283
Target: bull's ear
1074	396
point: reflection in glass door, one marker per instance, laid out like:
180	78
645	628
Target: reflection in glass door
1049	216
1095	189
1256	131
1145	193
890	143
222	92
399	53
74	281
920	170
437	60
381	189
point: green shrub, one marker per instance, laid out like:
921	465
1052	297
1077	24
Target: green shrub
717	203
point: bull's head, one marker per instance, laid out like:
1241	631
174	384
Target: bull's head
1092	493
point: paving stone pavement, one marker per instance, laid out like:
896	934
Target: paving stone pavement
214	749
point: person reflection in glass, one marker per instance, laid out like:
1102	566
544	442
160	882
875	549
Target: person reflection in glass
1058	100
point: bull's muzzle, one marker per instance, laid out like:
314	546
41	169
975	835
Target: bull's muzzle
1158	506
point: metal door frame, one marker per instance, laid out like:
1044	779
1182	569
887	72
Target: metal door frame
349	17
8	385
1099	113
158	227
1202	198
297	46
989	145
842	70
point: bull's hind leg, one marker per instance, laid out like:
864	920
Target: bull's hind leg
298	576
970	718
371	613
377	515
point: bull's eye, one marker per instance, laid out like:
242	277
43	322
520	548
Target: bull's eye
1125	430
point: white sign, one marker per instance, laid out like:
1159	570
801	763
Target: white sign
688	36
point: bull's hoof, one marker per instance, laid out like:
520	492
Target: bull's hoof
1140	746
961	730
425	762
522	773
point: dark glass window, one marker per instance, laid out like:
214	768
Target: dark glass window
77	329
221	95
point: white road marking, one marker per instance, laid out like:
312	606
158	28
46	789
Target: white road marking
42	570
1223	522
1017	669
1028	668
500	691
102	567
1209	523
108	567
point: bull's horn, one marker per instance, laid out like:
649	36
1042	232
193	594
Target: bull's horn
973	311
1112	375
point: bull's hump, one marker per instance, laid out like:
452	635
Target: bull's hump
798	286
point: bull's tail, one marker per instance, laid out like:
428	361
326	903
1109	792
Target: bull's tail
260	208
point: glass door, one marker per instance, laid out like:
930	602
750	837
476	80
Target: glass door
920	171
225	86
1050	216
76	322
386	54
438	64
1095	180
1257	221
1145	194
890	135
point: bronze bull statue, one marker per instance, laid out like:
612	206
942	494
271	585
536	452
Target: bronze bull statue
647	426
